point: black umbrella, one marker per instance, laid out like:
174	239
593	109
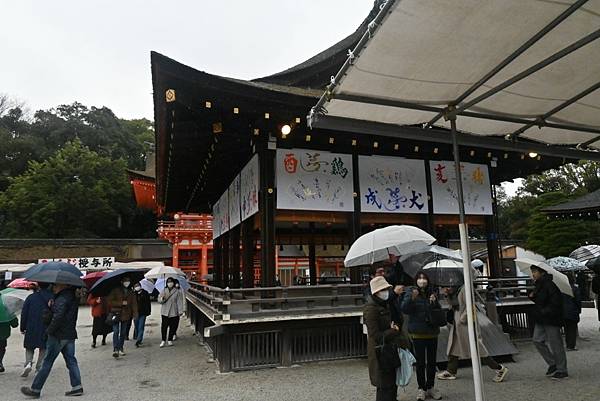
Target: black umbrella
594	265
113	279
56	273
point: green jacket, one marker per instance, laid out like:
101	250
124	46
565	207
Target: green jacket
5	328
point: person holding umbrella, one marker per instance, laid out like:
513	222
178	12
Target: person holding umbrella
548	317
62	334
144	309
7	322
380	330
172	308
417	304
33	328
122	307
99	326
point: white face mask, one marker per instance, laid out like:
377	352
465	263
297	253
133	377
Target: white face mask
383	295
422	283
126	284
170	285
137	288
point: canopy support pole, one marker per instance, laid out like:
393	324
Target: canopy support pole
466	256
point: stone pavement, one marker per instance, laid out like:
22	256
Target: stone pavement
182	372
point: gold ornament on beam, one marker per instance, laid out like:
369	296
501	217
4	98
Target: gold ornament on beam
170	95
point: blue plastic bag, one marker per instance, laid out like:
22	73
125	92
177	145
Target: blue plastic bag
404	372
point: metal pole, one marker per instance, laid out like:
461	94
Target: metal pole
464	244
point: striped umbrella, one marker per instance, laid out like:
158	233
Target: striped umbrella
585	253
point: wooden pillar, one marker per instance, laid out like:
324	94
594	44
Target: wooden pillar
493	262
354	224
203	262
312	255
248	250
234	249
267	216
429	218
217	262
225	258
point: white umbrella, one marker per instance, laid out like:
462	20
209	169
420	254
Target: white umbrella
377	245
147	285
164	272
161	282
561	281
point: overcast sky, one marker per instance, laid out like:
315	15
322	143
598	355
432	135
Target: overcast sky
98	52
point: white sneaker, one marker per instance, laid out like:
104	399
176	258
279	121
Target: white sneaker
500	374
27	370
174	337
421	395
162	344
122	353
434	393
170	343
445	375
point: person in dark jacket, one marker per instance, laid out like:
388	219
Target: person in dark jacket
547	315
5	328
571	312
62	334
121	301
417	304
380	328
144	308
596	290
33	328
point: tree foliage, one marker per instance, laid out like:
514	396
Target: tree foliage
74	193
63	172
521	218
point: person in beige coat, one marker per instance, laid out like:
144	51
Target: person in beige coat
458	340
172	307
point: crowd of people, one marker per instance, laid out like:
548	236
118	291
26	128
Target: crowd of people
48	324
406	311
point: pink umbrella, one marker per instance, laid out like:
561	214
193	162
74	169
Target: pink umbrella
21	283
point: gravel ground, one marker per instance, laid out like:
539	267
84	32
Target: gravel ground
182	372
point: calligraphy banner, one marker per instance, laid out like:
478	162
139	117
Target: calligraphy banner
314	180
224	213
216	225
392	185
249	188
234	203
476	187
88	262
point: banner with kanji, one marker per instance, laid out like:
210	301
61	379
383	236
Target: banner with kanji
86	262
476	187
249	189
314	180
234	203
392	185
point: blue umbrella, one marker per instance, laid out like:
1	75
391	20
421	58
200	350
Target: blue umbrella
565	264
113	279
56	273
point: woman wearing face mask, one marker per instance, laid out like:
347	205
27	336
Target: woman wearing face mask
417	304
380	328
172	307
121	302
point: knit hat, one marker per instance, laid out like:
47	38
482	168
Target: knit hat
378	283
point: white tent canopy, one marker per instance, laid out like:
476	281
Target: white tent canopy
422	56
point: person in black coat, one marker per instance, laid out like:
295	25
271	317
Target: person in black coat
62	334
571	312
144	309
547	315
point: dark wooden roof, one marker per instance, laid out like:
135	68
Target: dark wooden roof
195	165
586	203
